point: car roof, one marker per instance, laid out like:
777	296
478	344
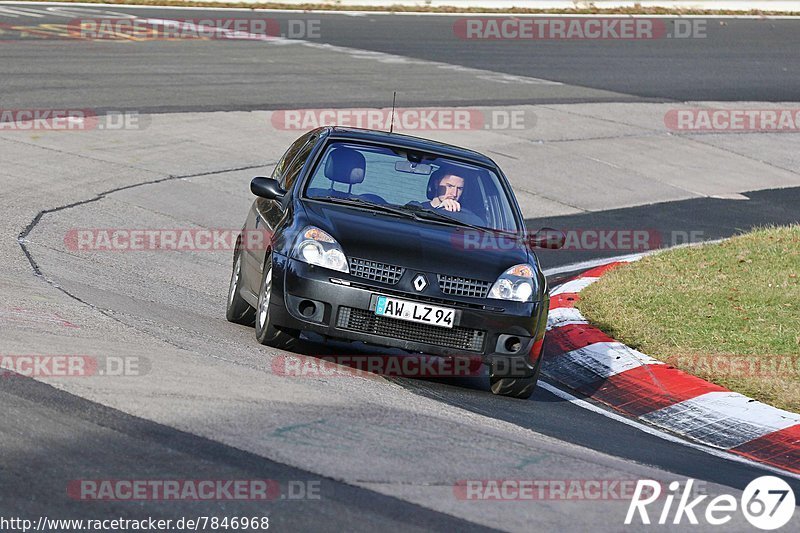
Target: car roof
408	141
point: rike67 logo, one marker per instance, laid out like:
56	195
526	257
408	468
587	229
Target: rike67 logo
767	503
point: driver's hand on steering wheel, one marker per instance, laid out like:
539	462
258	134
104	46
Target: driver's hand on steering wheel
448	204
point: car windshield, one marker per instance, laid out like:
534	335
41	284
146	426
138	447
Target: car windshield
406	179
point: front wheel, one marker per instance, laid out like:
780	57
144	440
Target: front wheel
266	332
506	379
238	310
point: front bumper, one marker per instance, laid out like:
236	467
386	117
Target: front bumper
344	309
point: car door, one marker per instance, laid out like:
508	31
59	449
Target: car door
267	215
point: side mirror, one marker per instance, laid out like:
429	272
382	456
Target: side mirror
549	238
267	188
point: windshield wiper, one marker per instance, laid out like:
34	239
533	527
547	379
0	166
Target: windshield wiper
428	214
364	203
409	211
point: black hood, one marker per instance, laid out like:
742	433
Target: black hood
416	244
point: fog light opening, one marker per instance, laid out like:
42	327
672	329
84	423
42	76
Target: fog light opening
307	308
513	344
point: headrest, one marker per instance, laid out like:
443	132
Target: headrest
345	165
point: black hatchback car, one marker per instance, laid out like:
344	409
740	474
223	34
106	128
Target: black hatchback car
394	241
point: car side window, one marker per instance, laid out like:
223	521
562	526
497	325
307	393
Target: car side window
293	170
288	157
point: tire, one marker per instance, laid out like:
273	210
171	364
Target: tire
505	383
266	333
238	310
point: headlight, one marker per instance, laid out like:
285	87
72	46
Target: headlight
516	284
316	247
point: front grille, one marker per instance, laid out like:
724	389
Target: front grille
474	288
375	271
368	322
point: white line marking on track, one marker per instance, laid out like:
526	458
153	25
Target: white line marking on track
586	265
381	57
60	10
14	13
658	433
418	13
575	285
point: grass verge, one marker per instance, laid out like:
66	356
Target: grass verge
728	313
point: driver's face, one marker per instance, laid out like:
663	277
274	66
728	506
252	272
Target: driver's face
451	187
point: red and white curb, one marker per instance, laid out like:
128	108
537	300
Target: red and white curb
583	358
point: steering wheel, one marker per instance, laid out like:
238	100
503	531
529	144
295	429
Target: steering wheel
465	215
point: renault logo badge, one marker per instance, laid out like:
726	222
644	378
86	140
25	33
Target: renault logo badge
420	282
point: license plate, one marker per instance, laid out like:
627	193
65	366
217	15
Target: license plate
415	312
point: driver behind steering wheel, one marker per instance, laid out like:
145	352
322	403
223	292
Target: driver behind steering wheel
448	188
